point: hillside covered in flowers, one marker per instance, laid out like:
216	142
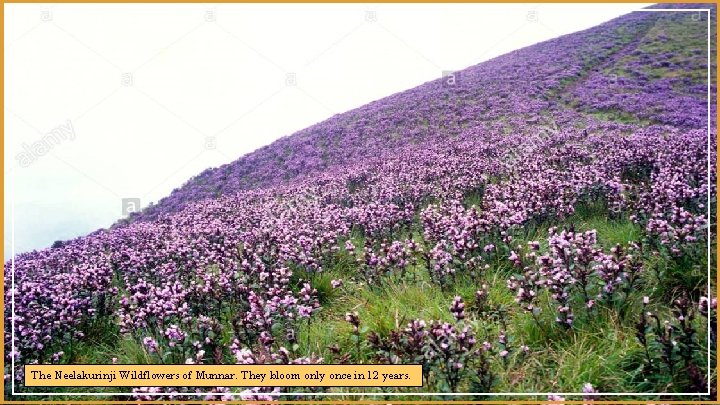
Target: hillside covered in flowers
544	225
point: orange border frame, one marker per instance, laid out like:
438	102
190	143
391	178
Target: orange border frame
528	402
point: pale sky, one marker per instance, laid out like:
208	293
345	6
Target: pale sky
112	101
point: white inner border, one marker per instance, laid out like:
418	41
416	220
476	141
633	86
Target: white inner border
12	226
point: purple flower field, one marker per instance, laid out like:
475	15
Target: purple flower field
545	225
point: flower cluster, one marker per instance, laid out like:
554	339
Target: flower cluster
574	267
390	261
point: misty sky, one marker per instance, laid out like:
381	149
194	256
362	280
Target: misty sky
112	101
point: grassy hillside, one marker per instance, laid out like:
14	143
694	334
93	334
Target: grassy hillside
545	226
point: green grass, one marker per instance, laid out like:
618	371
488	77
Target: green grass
596	351
611	232
615	115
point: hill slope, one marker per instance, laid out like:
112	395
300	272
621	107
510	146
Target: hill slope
522	86
539	200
